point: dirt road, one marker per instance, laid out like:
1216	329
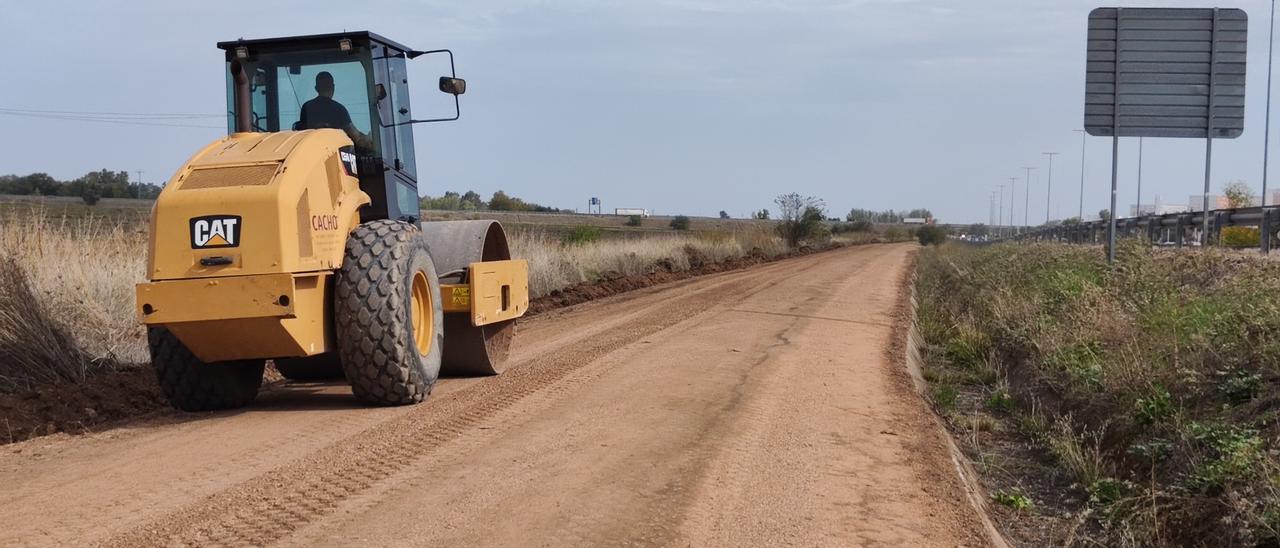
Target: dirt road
758	407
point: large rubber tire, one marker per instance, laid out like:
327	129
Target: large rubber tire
324	367
192	385
373	314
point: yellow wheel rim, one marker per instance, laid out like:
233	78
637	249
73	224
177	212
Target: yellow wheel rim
423	314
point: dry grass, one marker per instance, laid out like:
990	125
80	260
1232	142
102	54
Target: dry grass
36	348
554	265
82	272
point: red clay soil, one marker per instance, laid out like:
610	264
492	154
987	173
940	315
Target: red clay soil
79	407
128	392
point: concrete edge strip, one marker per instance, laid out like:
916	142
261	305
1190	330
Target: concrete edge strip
964	469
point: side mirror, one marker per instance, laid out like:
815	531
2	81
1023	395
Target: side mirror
380	92
453	86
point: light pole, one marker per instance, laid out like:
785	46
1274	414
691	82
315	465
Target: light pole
139	184
1266	135
1083	134
1138	211
1013	191
1048	189
1000	229
1026	197
991	209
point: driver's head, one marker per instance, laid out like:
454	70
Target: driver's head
324	84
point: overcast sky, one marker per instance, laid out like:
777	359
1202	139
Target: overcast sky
680	106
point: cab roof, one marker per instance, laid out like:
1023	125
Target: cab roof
359	34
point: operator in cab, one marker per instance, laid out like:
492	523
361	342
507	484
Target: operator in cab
324	112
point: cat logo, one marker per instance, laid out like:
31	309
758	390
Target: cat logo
215	231
347	155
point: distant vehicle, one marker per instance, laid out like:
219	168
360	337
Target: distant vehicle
917	221
628	211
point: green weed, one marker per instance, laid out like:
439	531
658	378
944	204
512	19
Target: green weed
1013	499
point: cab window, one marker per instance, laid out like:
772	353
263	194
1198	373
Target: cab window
297	84
401	112
282	83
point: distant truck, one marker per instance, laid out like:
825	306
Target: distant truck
917	221
629	211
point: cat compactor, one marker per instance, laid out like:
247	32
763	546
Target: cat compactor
296	238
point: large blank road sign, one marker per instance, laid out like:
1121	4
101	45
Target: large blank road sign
1155	72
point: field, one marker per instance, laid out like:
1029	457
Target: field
1132	404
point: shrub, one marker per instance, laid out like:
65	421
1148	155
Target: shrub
1241	236
581	235
807	226
680	222
894	235
635	220
91	195
853	226
931	235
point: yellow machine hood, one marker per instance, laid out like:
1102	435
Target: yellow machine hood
257	203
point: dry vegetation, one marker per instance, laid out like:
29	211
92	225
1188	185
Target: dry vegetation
68	279
1148	389
555	265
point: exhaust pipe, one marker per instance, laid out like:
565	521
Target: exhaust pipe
244	106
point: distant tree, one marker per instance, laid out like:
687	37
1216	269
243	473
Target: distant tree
919	213
723	214
451	201
680	222
635	220
111	184
978	229
801	217
1071	221
763	215
472	201
501	202
1104	214
884	217
1238	194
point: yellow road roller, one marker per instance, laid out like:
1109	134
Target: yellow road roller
296	238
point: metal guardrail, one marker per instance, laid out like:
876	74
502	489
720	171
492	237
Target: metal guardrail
1177	229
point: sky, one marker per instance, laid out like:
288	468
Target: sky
677	106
